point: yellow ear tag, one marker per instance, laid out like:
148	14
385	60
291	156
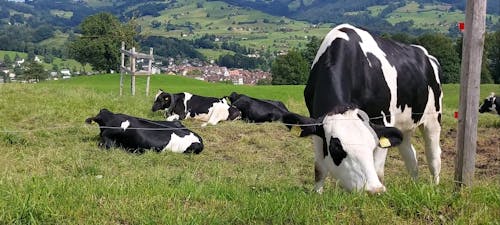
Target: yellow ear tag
384	142
296	131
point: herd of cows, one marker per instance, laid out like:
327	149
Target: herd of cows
364	94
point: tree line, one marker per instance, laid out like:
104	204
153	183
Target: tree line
293	68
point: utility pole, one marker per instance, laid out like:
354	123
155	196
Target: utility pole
472	52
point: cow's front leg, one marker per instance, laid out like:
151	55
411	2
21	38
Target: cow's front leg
379	156
107	143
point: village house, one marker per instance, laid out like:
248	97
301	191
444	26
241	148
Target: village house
214	73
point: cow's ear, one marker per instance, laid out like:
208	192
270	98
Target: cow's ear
388	136
301	125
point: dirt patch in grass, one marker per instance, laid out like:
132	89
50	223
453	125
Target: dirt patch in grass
487	151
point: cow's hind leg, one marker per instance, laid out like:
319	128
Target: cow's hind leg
320	170
431	132
409	155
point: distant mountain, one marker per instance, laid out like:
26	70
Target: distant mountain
255	26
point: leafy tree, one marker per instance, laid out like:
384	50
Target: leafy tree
43	32
485	72
494	55
443	49
7	60
100	42
291	68
31	56
34	71
311	48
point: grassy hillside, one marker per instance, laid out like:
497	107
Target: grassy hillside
54	173
246	26
61	63
433	17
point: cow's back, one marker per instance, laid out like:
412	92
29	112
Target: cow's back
382	77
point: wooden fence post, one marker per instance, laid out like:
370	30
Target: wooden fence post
133	56
122	66
132	69
150	69
472	52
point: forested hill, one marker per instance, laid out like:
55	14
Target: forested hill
330	10
379	14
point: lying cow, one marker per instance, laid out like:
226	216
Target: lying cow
184	105
258	110
491	104
397	85
138	134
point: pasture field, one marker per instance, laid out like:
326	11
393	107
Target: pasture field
61	63
52	171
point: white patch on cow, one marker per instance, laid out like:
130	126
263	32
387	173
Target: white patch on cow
493	107
158	94
369	45
217	112
356	171
493	99
187	97
329	38
434	63
220	111
173	117
180	144
125	124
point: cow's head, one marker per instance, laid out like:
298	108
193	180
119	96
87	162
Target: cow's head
489	104
234	113
163	101
349	142
101	118
234	96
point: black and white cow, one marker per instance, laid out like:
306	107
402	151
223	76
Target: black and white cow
258	110
397	85
138	134
491	104
184	105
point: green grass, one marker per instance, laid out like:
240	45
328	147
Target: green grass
52	171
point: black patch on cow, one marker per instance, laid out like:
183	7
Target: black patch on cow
415	76
258	110
343	74
341	109
336	151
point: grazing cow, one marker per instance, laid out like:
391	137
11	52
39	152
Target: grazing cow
138	134
258	110
185	105
491	104
397	85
